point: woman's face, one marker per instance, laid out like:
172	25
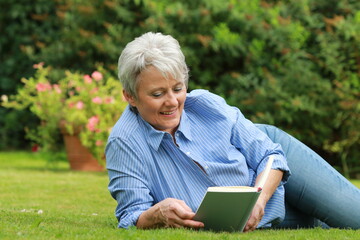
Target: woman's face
160	100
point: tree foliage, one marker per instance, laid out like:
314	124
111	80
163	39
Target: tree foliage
294	64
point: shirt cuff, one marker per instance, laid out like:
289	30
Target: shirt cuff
129	220
278	164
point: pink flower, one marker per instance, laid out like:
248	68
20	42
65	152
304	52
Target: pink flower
80	105
71	104
97	100
92	122
97	76
87	79
109	100
42	87
94	90
57	88
38	65
99	143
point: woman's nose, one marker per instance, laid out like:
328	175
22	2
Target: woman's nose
171	99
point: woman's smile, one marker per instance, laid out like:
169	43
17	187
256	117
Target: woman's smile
168	113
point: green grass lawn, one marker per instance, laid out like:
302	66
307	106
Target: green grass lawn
43	201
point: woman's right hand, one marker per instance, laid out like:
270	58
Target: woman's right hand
168	213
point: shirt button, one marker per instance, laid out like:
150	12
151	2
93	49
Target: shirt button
187	153
206	167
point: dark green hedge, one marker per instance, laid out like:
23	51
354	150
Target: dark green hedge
294	64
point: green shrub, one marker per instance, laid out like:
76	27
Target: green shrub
25	28
294	64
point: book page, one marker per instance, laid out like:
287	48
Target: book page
232	189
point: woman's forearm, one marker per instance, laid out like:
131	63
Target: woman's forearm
270	186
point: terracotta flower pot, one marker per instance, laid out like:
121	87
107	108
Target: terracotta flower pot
79	157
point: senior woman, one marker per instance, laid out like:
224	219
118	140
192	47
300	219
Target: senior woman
169	146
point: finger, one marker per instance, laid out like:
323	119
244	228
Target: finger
184	218
193	224
177	214
176	225
249	228
178	222
251	224
184	211
173	221
187	223
185	206
174	215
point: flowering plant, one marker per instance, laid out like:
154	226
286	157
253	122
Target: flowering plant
87	105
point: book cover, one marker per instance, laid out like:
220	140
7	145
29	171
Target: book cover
229	208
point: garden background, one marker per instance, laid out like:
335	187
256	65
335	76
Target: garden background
294	64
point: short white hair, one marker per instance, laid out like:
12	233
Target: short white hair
151	49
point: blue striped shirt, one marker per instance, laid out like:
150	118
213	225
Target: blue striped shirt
145	166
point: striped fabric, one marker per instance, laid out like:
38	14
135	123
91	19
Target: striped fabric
215	146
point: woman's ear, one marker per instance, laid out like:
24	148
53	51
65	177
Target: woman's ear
129	98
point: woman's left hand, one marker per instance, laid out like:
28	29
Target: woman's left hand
268	190
255	217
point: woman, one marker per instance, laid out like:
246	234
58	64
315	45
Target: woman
169	146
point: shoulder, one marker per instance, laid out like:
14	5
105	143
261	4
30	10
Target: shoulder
126	127
126	141
204	97
206	102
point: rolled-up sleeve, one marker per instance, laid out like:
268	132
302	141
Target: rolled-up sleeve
127	183
257	147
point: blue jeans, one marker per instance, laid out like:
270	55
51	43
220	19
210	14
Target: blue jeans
315	191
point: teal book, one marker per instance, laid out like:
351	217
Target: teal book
229	208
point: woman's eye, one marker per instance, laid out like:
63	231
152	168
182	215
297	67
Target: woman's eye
156	94
178	89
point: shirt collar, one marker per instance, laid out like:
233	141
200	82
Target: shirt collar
185	126
154	137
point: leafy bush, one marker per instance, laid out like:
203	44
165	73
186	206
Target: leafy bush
25	27
76	104
294	64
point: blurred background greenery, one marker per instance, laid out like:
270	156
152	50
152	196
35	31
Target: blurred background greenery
294	64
